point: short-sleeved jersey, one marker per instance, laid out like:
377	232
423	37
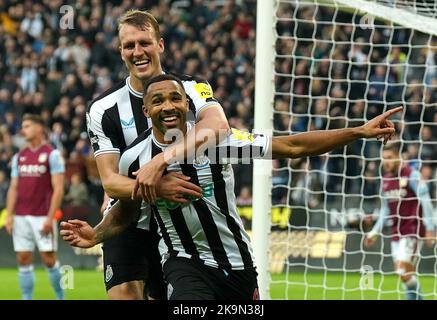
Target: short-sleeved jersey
404	207
115	118
208	229
34	169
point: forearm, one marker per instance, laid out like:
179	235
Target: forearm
383	213
118	186
313	142
208	132
11	201
55	202
116	220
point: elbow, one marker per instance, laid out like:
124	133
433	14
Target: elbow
107	186
222	127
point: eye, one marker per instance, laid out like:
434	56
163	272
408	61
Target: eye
156	101
144	43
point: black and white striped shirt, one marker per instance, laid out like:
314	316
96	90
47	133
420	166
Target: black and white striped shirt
116	118
208	229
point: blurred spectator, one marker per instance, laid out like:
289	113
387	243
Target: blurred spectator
324	74
77	194
245	197
4	185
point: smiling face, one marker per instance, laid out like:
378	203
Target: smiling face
167	105
140	51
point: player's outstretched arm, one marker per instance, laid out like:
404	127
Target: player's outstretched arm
80	234
318	142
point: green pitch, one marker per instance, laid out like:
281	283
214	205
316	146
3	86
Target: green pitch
88	285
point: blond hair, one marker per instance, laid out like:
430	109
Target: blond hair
141	20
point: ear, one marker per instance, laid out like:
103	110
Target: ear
146	112
161	46
121	55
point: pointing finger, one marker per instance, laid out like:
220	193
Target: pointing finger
391	112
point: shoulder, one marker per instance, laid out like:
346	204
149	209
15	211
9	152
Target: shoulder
132	152
108	98
185	78
48	148
141	137
407	171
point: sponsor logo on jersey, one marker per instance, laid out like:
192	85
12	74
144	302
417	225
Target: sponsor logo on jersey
395	194
32	169
204	90
42	157
22	159
242	135
109	273
126	124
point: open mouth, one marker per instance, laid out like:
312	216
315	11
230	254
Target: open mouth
142	63
170	120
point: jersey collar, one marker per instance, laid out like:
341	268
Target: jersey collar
163	146
132	90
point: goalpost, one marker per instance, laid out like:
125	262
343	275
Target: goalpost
324	64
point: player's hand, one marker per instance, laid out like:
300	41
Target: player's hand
47	227
380	126
430	239
78	233
147	178
174	186
9	223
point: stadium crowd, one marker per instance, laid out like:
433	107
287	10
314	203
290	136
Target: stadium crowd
54	62
344	73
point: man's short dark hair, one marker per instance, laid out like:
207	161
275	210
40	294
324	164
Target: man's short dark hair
35	118
162	77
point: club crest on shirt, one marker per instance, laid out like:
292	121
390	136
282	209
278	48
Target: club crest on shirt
109	273
201	162
42	157
403	182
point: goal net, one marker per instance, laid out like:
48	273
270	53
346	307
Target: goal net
339	64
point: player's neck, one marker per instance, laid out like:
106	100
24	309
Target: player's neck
137	84
35	143
160	136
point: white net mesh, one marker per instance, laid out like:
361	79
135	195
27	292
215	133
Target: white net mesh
338	67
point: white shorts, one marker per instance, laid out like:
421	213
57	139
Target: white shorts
406	249
27	233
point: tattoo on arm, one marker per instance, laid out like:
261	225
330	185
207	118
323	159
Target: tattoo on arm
117	219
